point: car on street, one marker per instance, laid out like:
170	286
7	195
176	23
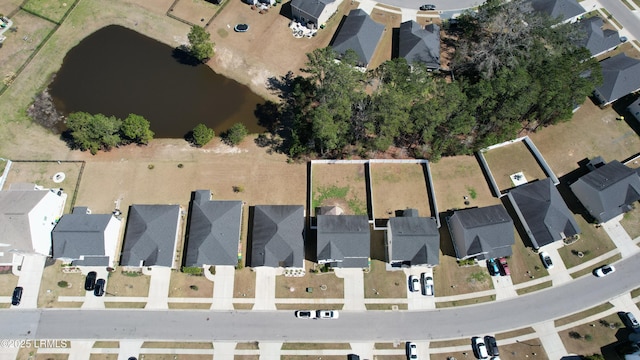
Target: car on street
504	267
98	290
305	314
630	321
414	283
90	281
493	267
427	7
241	28
17	296
546	260
327	314
492	345
479	348
427	284
412	350
604	270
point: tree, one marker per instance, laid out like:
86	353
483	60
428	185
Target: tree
202	135
94	132
236	134
200	45
136	128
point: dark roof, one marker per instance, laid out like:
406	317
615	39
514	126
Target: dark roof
543	212
360	34
563	9
151	233
484	233
596	39
608	190
620	76
414	239
278	236
79	234
311	7
92	261
418	44
214	231
344	240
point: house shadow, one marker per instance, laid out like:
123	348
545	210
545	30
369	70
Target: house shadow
395	43
247	258
377	249
516	222
620	107
285	10
335	34
446	243
574	205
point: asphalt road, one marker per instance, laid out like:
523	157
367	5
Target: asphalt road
629	21
200	325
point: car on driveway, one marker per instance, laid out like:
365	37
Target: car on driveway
546	260
17	296
493	267
427	7
492	345
412	350
241	28
630	321
414	283
604	270
427	284
504	267
479	348
327	314
305	314
90	281
99	288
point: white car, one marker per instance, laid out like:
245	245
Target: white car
604	270
480	348
414	283
427	284
546	260
305	314
412	351
327	314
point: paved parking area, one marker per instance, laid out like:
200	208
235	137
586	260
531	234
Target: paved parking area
158	287
353	288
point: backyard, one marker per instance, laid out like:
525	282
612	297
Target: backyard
342	185
398	186
502	163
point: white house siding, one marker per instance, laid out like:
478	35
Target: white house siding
111	235
329	10
42	219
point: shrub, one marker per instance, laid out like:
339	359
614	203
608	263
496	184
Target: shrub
202	135
192	270
236	134
151	166
240	264
575	335
180	166
212	270
194	287
63	284
238	188
588	337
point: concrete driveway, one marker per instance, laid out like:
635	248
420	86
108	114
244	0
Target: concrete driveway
223	282
265	288
353	288
91	301
416	300
158	287
30	273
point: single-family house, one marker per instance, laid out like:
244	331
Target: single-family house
360	34
634	109
344	241
608	190
313	12
151	236
596	39
481	233
28	213
620	76
277	236
86	239
213	231
565	11
412	240
418	44
542	212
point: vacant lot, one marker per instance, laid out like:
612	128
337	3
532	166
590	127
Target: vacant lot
398	187
510	159
341	185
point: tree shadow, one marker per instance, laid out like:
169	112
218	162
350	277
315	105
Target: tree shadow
182	55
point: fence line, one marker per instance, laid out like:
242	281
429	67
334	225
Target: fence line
5	173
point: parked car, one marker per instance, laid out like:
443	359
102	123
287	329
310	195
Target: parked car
17	296
327	314
427	7
241	28
98	290
546	260
493	267
504	267
353	357
630	321
604	270
305	314
90	281
479	348
412	350
427	284
414	283
492	345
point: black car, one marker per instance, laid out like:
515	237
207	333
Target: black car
428	7
99	288
17	296
492	345
90	281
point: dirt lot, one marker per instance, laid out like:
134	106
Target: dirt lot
510	159
398	187
340	185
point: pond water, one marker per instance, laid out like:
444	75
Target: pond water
117	71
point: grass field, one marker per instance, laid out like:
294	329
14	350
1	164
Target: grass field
398	187
502	162
340	185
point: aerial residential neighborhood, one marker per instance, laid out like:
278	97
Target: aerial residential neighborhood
314	179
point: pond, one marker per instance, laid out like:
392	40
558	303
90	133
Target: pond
117	71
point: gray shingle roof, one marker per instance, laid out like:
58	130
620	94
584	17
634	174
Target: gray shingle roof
484	233
608	191
414	239
313	8
214	231
543	212
360	34
277	238
344	240
620	76
596	39
563	9
150	238
418	44
80	234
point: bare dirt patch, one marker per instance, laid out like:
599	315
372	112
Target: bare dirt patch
244	283
510	159
398	187
185	285
128	284
340	181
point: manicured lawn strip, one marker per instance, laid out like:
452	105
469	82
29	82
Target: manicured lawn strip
386	306
522	350
200	306
124	305
315	346
533	288
103	357
242	306
635	293
583	314
171	356
380	283
591	337
611	18
254	345
449	343
106	344
176	345
514	333
589	270
463	302
387	346
309	307
593	242
628	5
